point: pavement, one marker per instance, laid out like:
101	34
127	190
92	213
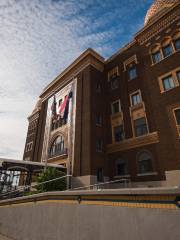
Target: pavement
4	238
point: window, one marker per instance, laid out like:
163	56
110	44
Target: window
156	57
113	73
99	145
121	167
178	76
168	83
118	133
135	98
115	107
114	83
98	87
57	147
177	44
100	177
145	162
98	120
177	116
29	146
167	50
140	127
132	72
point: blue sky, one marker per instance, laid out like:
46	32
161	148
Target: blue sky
39	38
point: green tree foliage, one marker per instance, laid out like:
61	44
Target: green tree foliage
49	174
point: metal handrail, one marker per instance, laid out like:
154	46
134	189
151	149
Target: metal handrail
20	189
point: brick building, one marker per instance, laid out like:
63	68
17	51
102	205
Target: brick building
122	119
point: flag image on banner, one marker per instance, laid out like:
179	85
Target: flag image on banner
64	107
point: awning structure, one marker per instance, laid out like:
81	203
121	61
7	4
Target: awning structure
21	165
15	173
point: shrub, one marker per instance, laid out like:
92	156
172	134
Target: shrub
49	174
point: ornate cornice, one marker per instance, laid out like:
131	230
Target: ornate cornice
89	57
159	25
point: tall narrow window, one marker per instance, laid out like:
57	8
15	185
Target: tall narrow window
145	162
168	83
100	177
118	133
156	57
98	120
167	50
99	145
132	72
135	98
140	127
115	107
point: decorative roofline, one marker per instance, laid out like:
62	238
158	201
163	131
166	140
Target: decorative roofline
87	52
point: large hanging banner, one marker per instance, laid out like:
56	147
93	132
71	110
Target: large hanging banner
60	119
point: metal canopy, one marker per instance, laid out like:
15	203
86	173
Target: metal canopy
19	165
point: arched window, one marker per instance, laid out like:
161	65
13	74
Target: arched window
145	162
57	147
167	47
156	53
176	40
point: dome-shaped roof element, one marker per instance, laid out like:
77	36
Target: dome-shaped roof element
157	7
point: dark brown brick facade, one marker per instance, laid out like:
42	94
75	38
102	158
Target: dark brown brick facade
162	140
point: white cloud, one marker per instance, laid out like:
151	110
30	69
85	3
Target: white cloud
39	38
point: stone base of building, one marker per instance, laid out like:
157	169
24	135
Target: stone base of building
172	180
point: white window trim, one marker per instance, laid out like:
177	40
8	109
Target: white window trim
175	80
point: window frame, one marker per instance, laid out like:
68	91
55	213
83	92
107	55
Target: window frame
135	128
138	160
52	144
169	82
154	53
119	103
97	122
164	49
99	150
118	162
100	175
176	81
140	97
129	75
113	73
114	136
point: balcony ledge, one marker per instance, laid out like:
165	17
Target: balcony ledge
150	138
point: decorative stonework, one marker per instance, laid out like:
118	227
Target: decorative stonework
148	139
146	34
131	60
157	7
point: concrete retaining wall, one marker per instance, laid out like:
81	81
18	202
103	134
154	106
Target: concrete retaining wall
62	218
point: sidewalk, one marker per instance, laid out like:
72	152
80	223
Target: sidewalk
4	238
